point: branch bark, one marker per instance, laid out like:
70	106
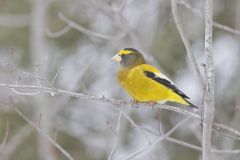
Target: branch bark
209	92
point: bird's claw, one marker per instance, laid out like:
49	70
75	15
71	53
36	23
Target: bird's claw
151	104
134	103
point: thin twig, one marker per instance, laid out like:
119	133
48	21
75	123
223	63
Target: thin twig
81	28
5	137
225	135
141	129
182	143
226	28
197	12
227	128
57	33
40	131
20	70
109	124
186	144
56	75
156	141
197	148
116	136
25	93
186	43
225	151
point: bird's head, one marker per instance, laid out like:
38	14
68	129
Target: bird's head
129	57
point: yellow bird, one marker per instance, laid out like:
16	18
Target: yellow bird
144	82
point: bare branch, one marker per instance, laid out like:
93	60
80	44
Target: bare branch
224	134
185	111
39	130
82	29
25	93
236	132
215	24
182	143
58	33
118	102
147	147
209	97
109	124
186	144
116	136
11	65
226	28
141	129
188	6
20	70
226	151
192	146
186	43
56	75
5	137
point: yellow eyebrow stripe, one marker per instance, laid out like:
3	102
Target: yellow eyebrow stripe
124	52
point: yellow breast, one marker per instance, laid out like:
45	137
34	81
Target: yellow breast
140	87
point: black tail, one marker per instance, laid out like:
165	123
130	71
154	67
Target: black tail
191	105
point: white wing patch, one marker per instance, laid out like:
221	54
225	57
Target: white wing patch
162	76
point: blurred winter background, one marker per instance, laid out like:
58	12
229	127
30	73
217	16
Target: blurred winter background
76	39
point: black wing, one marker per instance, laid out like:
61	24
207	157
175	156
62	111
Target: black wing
165	82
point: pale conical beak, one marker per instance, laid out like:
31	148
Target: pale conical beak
116	58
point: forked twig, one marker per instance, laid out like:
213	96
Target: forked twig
156	141
116	136
40	131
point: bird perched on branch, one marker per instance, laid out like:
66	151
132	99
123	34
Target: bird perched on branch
144	82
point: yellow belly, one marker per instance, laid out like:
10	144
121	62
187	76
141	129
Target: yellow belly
144	89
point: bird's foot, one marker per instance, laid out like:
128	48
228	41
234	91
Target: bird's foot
151	104
134	103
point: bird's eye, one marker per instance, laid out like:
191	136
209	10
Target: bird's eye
123	55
